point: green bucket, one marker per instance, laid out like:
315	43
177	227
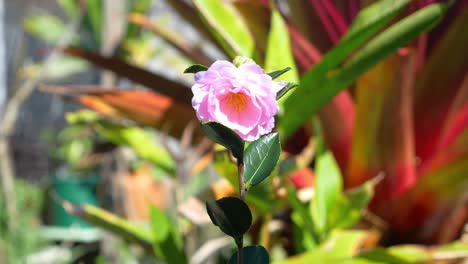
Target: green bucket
77	189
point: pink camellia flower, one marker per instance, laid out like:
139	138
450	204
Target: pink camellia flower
242	98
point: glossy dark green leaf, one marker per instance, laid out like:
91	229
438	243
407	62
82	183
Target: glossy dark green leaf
285	90
226	137
231	215
196	68
260	159
252	255
278	73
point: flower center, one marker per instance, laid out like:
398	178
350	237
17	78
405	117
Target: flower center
237	101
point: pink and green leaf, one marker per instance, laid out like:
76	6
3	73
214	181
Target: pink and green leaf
383	138
438	86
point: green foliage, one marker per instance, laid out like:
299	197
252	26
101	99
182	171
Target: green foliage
25	239
328	188
49	28
339	248
231	31
167	242
196	68
261	157
278	73
278	52
327	80
72	144
231	215
226	137
142	141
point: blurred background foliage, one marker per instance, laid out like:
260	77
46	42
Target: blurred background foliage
375	136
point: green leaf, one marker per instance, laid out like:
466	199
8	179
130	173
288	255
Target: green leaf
261	157
252	254
70	7
226	137
338	249
142	141
196	68
324	81
347	210
229	28
165	237
94	18
328	188
46	27
285	90
231	215
381	256
278	73
278	51
114	224
304	233
160	224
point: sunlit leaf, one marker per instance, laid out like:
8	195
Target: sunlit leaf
278	53
225	21
328	188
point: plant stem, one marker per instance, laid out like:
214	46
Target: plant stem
242	193
240	250
240	174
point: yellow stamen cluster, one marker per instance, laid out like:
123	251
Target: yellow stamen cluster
237	101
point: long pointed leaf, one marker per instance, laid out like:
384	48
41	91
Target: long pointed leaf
384	120
224	19
278	55
113	223
177	41
158	83
303	103
438	86
143	107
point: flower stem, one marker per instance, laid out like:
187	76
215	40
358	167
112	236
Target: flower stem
240	174
240	250
242	193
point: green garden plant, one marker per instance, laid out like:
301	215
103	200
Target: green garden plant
384	123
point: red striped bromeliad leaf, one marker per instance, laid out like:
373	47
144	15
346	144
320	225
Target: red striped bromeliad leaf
383	138
176	91
143	107
434	210
308	24
337	116
438	86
